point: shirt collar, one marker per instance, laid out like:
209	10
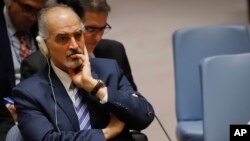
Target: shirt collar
64	77
10	28
91	55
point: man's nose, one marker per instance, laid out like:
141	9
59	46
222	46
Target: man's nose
73	43
98	36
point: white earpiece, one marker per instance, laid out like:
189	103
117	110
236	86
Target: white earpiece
44	50
42	46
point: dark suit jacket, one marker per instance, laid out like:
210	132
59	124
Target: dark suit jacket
36	107
7	77
7	73
105	49
1	3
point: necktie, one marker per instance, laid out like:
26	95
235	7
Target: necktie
82	111
24	48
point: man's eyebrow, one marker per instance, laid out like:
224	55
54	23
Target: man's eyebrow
79	29
65	33
61	34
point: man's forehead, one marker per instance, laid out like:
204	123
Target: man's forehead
63	23
60	13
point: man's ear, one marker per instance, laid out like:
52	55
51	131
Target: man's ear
42	46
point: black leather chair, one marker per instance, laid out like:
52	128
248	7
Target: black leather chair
139	136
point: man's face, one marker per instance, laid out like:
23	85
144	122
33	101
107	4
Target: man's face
65	38
23	13
97	21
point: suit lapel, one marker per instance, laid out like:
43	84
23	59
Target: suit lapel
64	101
99	115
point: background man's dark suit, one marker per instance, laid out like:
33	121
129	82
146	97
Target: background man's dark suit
7	72
35	106
105	49
7	77
1	3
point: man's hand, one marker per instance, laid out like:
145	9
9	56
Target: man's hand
82	76
114	127
12	110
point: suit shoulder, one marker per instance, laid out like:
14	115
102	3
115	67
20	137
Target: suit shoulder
34	58
111	43
102	60
102	63
33	80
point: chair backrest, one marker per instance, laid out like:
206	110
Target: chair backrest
14	134
138	136
226	94
190	45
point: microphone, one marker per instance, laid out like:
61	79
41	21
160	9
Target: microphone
158	120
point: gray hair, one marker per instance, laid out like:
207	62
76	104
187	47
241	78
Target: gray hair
43	20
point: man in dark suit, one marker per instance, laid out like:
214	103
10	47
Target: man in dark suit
1	3
105	49
94	15
16	17
46	99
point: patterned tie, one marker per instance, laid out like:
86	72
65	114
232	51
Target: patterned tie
82	111
24	48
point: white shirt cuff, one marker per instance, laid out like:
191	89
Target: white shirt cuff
105	99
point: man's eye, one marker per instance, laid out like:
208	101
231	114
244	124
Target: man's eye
78	35
63	38
89	29
28	8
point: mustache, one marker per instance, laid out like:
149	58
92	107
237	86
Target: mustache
73	52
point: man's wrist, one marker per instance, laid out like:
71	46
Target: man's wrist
89	85
100	84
